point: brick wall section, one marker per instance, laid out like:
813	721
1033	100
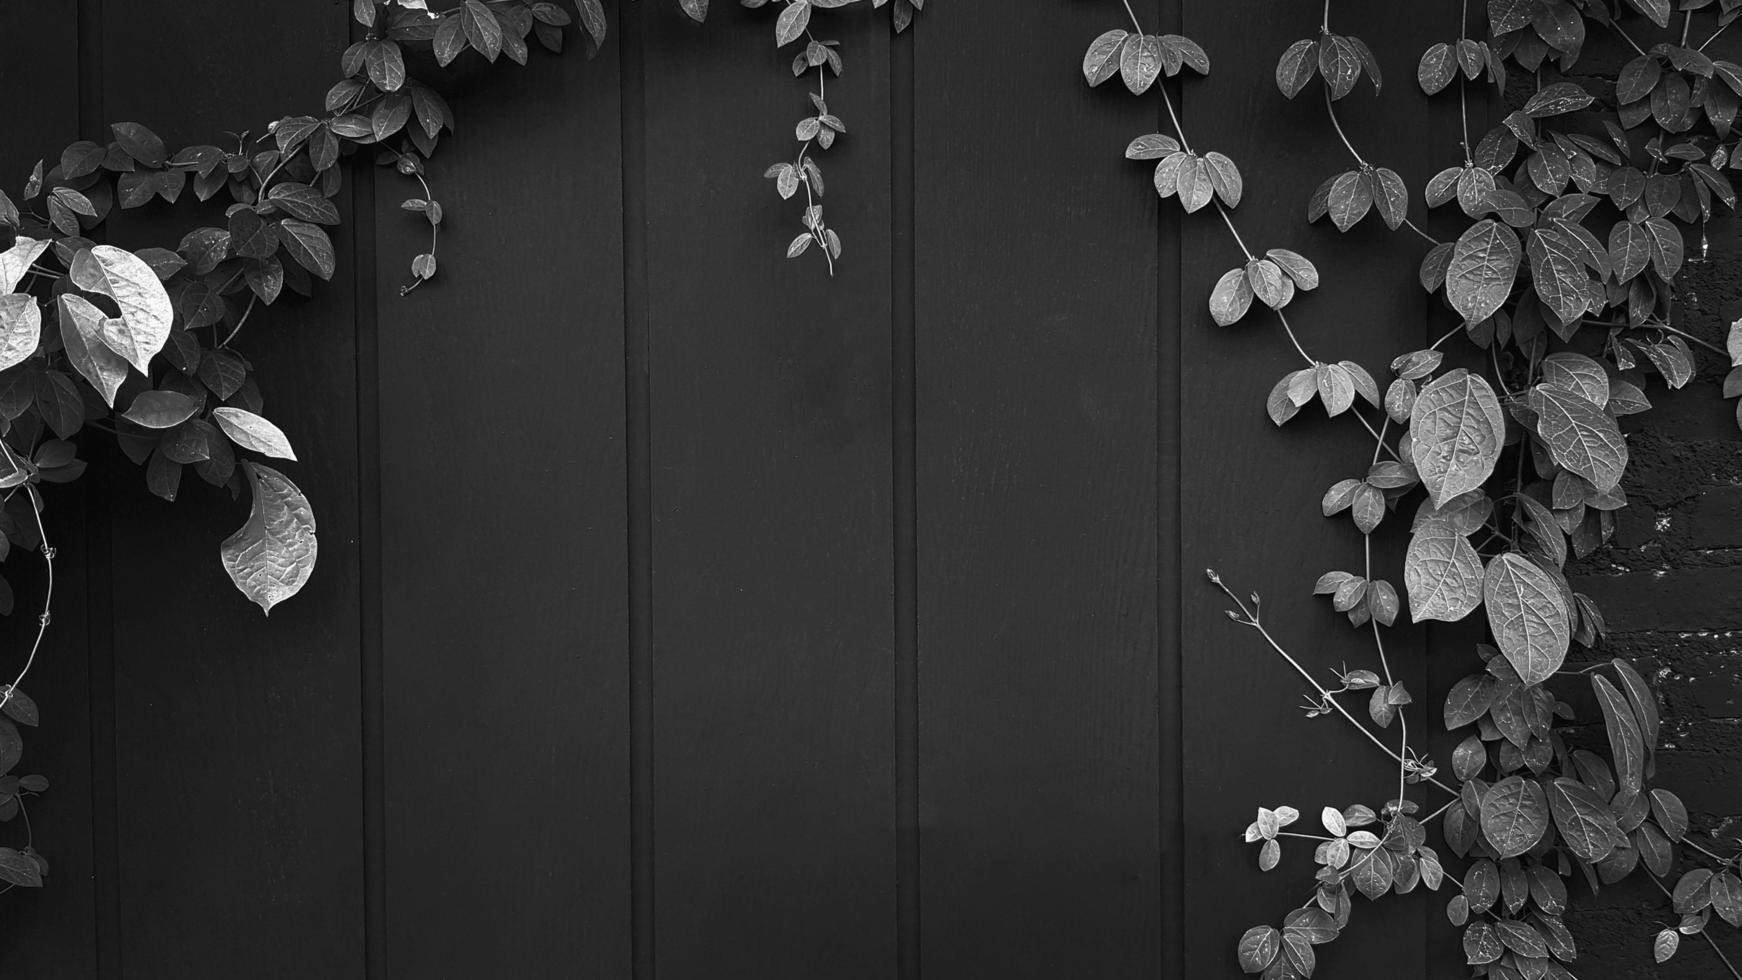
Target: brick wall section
1670	585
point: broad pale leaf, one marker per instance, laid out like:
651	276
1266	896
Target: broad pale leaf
1585	822
146	313
1580	435
1515	815
1483	267
272	555
161	409
1558	274
1442	573
15	261
1579	373
1528	616
81	332
20	328
250	431
1457	429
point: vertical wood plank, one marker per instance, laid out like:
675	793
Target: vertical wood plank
504	617
1037	442
773	696
1250	492
53	931
238	751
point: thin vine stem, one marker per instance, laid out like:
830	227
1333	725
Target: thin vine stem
1249	618
48	555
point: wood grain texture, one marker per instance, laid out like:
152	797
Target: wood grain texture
237	737
1250	491
1036	385
504	616
773	651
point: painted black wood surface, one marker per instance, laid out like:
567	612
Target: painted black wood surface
683	612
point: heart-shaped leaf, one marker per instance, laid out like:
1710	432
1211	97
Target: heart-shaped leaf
273	554
146	313
1442	573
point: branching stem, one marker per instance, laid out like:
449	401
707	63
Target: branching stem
1249	618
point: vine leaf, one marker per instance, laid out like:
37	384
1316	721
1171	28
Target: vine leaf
1101	61
146	313
1665	945
81	332
309	246
1481	944
1259	948
1558	273
1140	63
250	431
1231	298
1469	700
1297	67
1349	199
1576	372
1528	615
1439	65
1483	266
1442	573
481	28
15	261
1584	820
20	328
1515	815
697	9
1457	429
1644	707
272	555
161	409
1626	744
1392	199
1658	11
1579	435
1557	99
792	22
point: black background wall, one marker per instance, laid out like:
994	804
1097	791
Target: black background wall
683	612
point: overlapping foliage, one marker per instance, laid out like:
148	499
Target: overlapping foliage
1574	213
143	344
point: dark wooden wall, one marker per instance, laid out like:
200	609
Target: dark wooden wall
684	613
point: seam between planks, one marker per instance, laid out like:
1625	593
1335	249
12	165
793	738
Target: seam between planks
1169	573
904	467
637	331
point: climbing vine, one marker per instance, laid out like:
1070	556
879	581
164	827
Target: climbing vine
147	345
1573	217
1574	213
